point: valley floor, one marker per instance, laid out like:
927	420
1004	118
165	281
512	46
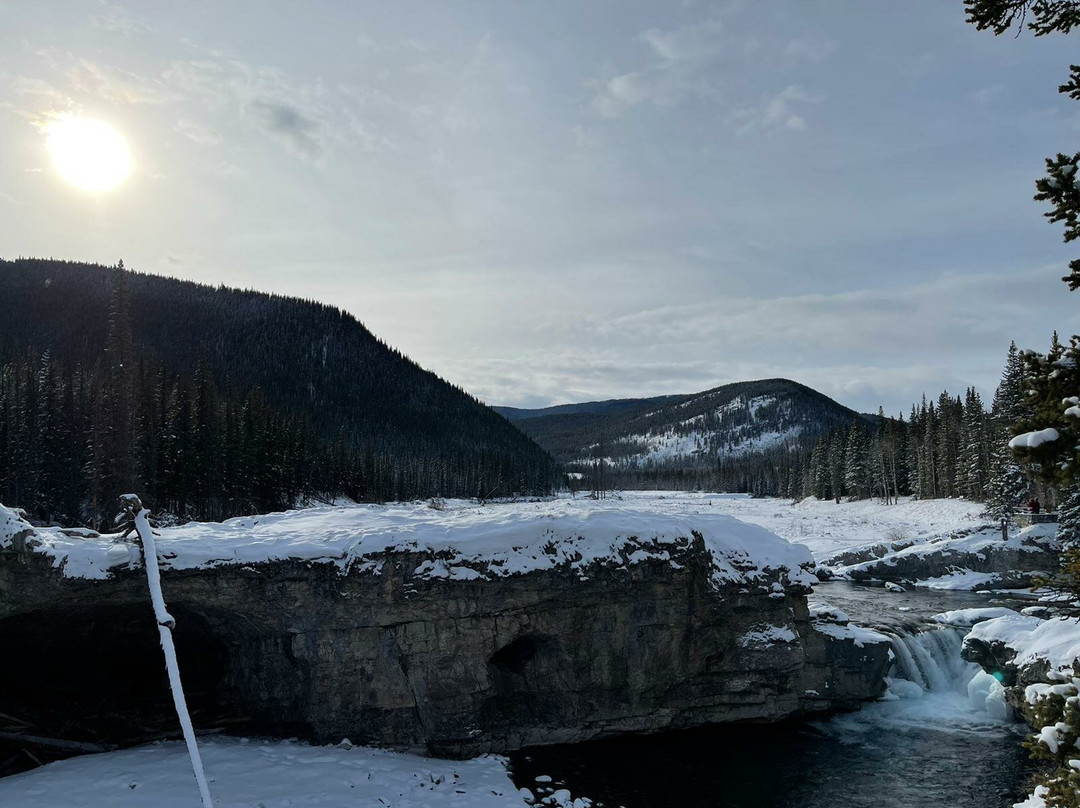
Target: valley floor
828	527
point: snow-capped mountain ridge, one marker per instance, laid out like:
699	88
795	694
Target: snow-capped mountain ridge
692	431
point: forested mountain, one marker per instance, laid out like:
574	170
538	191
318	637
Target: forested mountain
216	401
690	440
780	438
608	407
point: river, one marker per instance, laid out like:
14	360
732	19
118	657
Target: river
935	747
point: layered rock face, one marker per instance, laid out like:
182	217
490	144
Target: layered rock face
455	667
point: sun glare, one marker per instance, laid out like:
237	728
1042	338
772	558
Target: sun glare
89	154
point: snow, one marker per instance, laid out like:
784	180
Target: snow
966	618
1032	539
962	581
462	542
763	636
857	634
165	623
1035	800
1057	640
1033	440
688	437
246	774
823	611
828	528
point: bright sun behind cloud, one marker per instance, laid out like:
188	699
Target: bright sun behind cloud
90	154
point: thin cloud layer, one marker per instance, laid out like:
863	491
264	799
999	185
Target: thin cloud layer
546	203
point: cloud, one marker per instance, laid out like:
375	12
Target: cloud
809	48
107	83
697	60
774	112
118	20
301	133
987	95
197	133
620	93
856	346
292	113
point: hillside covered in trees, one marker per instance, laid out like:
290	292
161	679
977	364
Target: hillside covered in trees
213	402
779	438
727	438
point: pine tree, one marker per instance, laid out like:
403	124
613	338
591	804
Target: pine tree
1008	486
856	464
973	462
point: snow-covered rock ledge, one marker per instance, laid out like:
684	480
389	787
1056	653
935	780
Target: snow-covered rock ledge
967	559
465	630
460	541
1039	662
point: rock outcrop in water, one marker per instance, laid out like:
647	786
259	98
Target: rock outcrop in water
459	665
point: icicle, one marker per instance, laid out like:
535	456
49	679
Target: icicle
166	623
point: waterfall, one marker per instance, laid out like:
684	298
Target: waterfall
928	661
931	659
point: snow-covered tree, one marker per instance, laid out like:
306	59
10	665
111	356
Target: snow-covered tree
1008	486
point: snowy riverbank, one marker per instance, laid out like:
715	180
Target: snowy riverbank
244	774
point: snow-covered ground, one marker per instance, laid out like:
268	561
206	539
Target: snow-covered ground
463	540
827	527
507	538
263	774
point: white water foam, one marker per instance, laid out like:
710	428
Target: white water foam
930	688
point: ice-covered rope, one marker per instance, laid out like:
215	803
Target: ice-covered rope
166	623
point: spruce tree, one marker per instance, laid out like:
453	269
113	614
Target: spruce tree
856	464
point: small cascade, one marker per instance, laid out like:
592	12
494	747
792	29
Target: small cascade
931	659
929	662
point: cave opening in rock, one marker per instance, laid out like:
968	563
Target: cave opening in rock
97	674
530	677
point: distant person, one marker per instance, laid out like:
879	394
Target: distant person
1033	505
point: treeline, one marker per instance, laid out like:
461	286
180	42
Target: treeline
953	446
199	444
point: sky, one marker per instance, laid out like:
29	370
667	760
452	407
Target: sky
558	201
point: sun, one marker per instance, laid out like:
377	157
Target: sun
89	154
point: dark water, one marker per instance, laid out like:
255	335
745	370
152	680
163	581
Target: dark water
937	750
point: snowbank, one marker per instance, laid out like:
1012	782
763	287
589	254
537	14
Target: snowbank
1057	640
274	773
966	618
849	631
828	527
965	559
464	541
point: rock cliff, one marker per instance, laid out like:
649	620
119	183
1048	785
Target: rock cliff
384	653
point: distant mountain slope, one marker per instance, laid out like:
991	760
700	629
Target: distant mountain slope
421	434
608	407
692	431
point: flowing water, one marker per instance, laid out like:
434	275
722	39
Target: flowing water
943	737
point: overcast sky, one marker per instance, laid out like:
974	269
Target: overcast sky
557	201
